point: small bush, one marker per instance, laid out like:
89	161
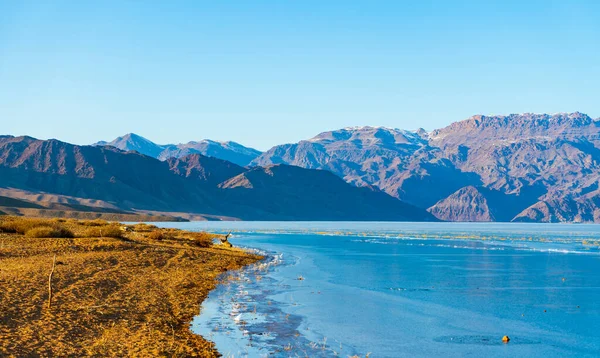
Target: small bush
95	222
90	232
142	227
202	239
113	231
160	235
7	228
49	232
19	225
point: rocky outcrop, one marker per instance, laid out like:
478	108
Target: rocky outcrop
466	204
483	204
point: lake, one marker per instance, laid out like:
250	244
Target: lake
407	289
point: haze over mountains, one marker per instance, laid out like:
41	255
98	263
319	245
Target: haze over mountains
520	167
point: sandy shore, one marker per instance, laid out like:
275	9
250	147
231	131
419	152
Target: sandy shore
133	295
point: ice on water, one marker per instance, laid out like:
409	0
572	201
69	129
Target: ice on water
408	289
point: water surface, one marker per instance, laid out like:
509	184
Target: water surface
408	289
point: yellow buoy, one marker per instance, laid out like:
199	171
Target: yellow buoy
506	339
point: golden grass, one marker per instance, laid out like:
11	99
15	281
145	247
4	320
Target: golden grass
143	227
160	235
87	215
49	232
128	296
109	230
95	222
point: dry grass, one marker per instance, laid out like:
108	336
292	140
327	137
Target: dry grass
160	235
96	222
126	296
36	228
143	227
50	232
108	230
201	239
15	225
86	215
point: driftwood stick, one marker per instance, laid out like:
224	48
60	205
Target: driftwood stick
50	283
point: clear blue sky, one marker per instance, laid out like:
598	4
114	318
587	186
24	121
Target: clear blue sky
269	72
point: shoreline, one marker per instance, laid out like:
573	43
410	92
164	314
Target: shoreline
136	294
259	310
297	306
237	299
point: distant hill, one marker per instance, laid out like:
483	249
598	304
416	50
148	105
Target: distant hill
211	170
41	208
230	151
323	196
193	184
520	167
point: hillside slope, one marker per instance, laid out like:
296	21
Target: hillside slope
522	158
192	184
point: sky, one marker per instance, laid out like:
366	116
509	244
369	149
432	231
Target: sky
270	72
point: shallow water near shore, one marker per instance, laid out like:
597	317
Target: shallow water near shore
407	289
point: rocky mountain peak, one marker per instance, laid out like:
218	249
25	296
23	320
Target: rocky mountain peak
371	136
231	151
515	127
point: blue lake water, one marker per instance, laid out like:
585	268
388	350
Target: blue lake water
407	289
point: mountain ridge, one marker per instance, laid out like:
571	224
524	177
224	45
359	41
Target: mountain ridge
516	167
226	150
539	158
128	180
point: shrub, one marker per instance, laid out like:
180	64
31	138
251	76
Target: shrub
19	225
95	222
202	239
160	235
113	231
7	228
143	227
49	232
91	232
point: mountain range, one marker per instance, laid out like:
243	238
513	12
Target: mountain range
106	177
230	151
519	167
